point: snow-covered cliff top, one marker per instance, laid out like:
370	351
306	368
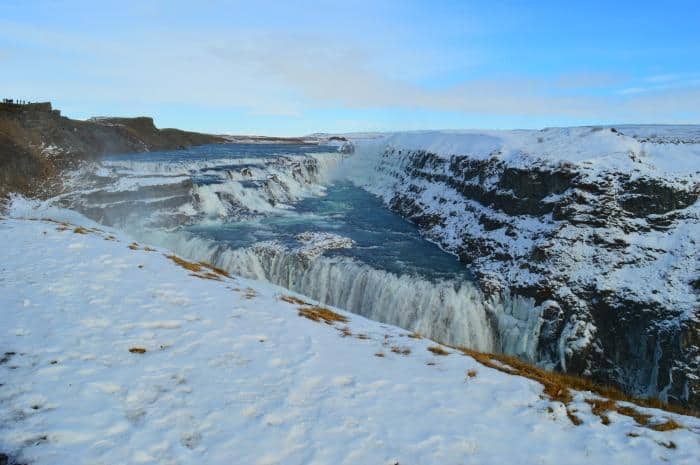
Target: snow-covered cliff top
644	150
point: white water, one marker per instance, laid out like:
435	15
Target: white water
447	311
453	311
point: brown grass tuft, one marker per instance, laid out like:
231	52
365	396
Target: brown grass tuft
290	299
215	269
574	419
137	350
437	350
471	373
345	331
190	266
401	350
601	406
318	314
207	275
558	385
80	230
415	336
379	354
668	425
642	419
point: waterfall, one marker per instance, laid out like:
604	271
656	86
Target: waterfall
153	198
448	311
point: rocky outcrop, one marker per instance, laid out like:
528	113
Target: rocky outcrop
36	143
606	250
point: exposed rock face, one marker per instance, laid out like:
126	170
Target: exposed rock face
607	250
36	143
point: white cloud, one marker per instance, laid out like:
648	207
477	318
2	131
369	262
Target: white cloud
285	73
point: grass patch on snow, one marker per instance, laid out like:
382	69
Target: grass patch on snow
558	387
437	350
200	270
318	314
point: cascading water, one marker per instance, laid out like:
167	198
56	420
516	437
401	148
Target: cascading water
280	213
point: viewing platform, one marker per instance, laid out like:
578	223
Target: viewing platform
21	106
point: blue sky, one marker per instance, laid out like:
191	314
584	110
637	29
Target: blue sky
284	68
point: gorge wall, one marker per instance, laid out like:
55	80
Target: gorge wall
598	226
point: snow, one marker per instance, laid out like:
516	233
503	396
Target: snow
659	150
233	374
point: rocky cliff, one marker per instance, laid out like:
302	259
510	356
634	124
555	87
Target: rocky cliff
596	227
36	143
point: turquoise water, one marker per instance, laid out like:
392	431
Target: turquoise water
383	239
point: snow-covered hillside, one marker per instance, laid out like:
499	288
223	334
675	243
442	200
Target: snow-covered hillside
113	353
594	228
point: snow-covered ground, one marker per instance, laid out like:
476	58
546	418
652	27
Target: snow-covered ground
113	353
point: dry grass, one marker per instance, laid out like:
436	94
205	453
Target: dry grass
362	336
134	246
471	374
207	275
558	387
201	270
319	314
379	354
80	230
137	350
437	350
345	331
190	266
574	419
668	425
415	336
215	269
601	406
290	299
401	350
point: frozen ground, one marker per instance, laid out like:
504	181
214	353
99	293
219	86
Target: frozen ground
233	374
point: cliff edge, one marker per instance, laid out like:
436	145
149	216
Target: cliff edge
594	229
37	143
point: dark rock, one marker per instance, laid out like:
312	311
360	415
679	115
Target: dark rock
645	346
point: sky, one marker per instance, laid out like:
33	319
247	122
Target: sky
298	67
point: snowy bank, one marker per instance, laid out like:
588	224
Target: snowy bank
116	353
